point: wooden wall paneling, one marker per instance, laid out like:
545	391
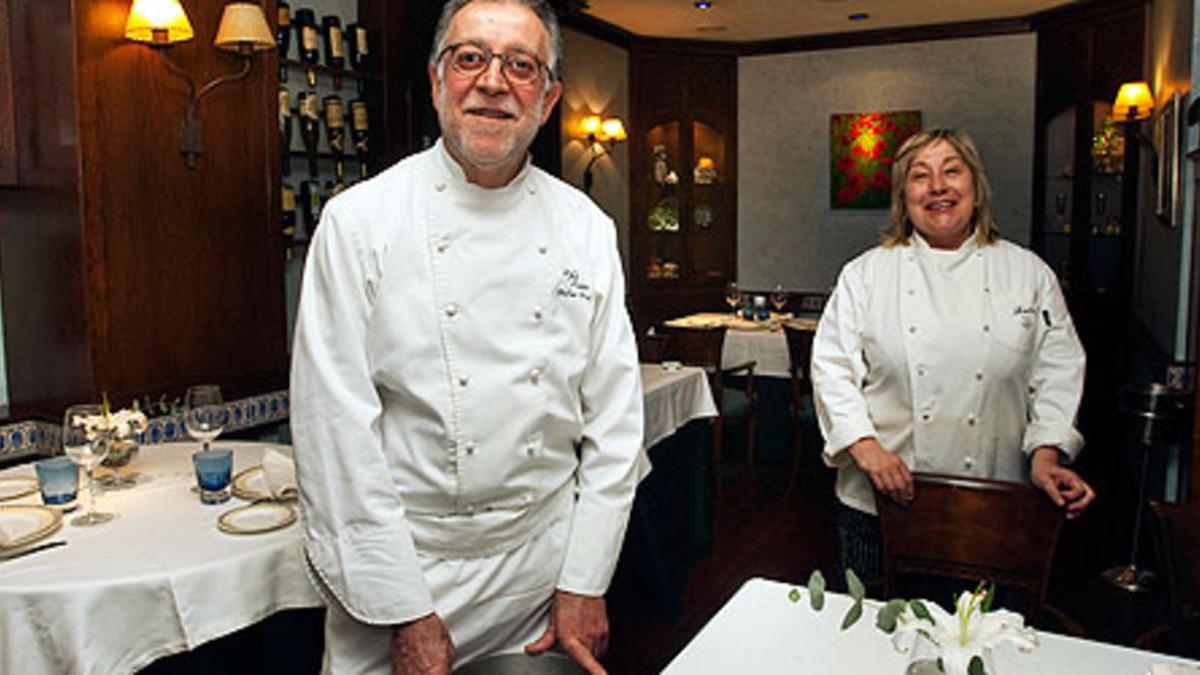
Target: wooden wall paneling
8	137
41	260
184	278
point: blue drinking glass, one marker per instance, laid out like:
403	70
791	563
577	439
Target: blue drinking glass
213	471
58	480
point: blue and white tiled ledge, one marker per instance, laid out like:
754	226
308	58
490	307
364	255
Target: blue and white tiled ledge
42	439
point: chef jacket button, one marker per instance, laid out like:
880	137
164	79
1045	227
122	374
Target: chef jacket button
925	417
535	375
440	187
451	309
542	249
987	289
442	246
912	329
470	447
463	380
529	450
978	375
968	462
921	371
911	292
537	313
986	328
532	190
970	420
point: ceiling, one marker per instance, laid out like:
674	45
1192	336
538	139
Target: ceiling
747	20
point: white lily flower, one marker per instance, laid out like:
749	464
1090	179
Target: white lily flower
968	633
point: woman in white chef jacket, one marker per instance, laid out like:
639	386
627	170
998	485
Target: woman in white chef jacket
945	349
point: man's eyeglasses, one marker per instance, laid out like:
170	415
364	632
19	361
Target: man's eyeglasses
471	59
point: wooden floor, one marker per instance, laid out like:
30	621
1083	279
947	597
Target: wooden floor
759	532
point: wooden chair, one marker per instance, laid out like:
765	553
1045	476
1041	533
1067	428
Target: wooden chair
799	344
974	530
1178	530
736	405
651	347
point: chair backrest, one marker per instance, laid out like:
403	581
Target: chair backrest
1179	551
696	346
971	529
799	344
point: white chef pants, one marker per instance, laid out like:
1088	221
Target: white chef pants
491	605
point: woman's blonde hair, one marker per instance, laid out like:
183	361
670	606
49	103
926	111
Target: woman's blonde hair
900	227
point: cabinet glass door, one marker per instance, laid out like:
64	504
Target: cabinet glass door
663	221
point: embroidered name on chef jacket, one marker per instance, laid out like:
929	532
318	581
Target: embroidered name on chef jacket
571	286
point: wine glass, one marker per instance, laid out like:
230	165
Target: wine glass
779	297
732	296
204	413
87	445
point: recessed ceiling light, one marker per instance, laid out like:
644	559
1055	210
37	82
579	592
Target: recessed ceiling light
859	16
703	4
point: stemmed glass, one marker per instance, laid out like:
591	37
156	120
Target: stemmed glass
204	413
779	297
732	296
87	446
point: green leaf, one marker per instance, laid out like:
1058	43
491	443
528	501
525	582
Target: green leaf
855	585
853	615
794	595
920	610
975	667
816	590
986	605
885	620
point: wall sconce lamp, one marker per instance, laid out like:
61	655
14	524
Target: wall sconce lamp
162	23
602	135
1134	102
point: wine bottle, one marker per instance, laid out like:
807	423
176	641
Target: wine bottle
288	206
285	130
356	37
335	50
360	132
283	28
306	25
310	127
335	124
310	206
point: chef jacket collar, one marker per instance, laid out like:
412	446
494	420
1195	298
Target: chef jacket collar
458	177
949	259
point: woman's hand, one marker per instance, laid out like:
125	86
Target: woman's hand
887	471
1062	485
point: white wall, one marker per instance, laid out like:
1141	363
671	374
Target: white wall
596	81
787	232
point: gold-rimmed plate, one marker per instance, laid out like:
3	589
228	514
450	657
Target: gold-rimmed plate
256	518
15	487
24	524
250	485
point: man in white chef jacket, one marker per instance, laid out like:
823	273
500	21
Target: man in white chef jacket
466	404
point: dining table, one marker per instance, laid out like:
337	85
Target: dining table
158	579
762	630
748	340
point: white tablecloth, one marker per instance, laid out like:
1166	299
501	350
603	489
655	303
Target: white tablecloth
672	399
760	631
763	342
158	579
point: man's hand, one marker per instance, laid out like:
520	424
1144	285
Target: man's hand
887	471
1062	485
580	623
422	647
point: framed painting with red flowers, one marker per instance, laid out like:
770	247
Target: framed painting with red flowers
861	149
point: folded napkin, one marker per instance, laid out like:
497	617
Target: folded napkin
279	473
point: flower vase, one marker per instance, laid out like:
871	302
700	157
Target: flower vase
928	659
120	454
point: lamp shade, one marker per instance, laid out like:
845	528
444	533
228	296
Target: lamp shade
590	125
613	129
158	21
1134	102
244	28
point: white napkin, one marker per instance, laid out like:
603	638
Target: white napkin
1166	669
279	473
